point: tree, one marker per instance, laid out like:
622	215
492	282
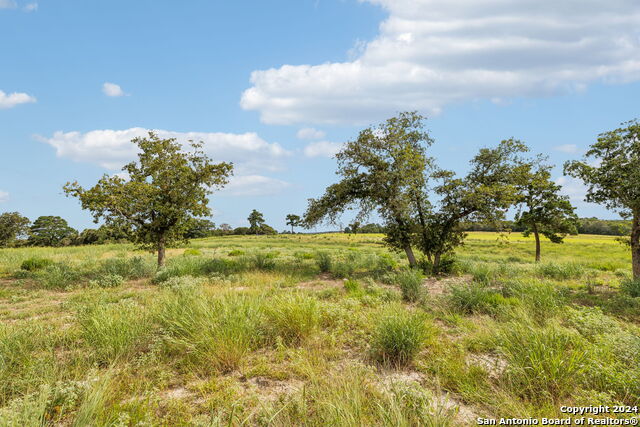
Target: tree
50	231
165	189
293	221
613	179
256	220
13	226
384	169
542	210
199	228
354	227
484	194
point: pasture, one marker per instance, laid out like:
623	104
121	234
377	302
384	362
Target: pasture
327	329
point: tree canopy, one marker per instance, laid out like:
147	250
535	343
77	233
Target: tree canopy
611	173
159	195
13	226
50	231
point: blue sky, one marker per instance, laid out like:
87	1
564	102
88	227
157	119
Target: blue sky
277	86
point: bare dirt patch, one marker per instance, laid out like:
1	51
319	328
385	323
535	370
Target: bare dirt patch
440	285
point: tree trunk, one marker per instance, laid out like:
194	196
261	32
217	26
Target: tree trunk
410	256
537	236
161	252
635	244
436	262
292	229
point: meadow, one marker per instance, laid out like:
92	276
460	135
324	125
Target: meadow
328	329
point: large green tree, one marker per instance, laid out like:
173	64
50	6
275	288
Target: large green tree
484	195
51	231
611	171
383	170
13	226
542	209
163	191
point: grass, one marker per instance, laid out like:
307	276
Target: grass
314	330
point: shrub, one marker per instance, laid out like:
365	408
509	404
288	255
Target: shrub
107	281
410	283
324	261
192	252
631	287
58	276
448	265
343	269
34	263
293	318
399	336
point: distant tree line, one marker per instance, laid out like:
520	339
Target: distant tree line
604	227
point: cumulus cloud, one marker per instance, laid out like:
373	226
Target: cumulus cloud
4	196
574	188
11	100
111	149
310	133
31	7
322	149
431	53
567	148
112	90
254	185
8	4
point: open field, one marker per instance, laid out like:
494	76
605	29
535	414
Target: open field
314	330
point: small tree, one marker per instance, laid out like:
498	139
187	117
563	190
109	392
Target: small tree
50	231
614	178
256	220
293	221
354	227
13	226
384	169
164	190
542	210
199	228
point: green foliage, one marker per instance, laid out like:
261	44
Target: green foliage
352	286
263	261
166	189
324	261
131	268
293	220
192	252
631	287
12	227
35	263
256	221
51	231
236	252
292	318
411	284
399	336
59	275
107	281
477	298
559	271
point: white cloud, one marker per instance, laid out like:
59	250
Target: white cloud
11	100
8	4
322	149
431	53
111	149
254	185
31	7
4	196
112	89
310	133
567	148
574	188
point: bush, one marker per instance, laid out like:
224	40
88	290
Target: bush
33	264
343	269
410	283
293	318
631	287
324	261
448	265
107	281
399	337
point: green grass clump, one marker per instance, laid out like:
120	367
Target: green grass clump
236	252
114	330
263	261
399	336
59	276
192	252
564	271
352	286
131	268
543	363
631	287
475	298
410	283
292	318
35	263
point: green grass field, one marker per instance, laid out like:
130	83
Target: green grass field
314	330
